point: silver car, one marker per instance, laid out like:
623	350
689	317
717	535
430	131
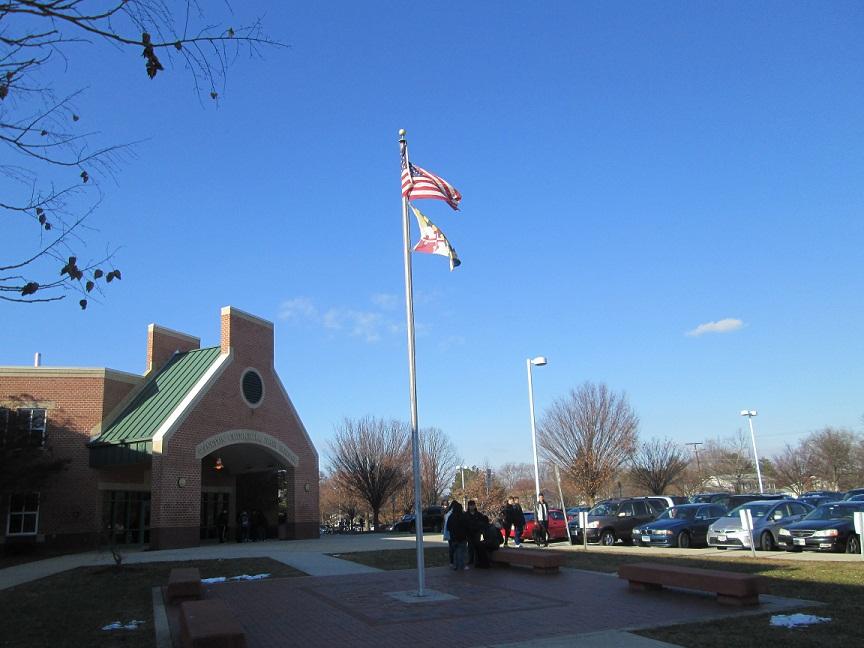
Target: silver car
768	517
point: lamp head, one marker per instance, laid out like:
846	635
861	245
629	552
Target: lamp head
748	412
539	361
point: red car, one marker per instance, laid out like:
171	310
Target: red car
557	526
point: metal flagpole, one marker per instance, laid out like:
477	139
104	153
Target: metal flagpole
412	381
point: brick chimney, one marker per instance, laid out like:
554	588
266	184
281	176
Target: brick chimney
163	342
248	335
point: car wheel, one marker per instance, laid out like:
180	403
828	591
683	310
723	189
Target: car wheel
683	540
607	538
722	548
852	546
766	541
794	549
572	540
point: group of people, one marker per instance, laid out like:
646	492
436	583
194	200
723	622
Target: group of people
471	537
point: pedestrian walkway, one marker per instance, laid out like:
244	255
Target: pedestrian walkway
309	556
503	608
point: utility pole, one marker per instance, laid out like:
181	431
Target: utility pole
696	445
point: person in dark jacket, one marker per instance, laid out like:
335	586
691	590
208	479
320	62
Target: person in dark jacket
477	525
457	528
507	519
541	521
518	522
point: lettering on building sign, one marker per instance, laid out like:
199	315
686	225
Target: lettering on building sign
232	437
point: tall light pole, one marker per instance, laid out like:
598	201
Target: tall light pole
464	499
750	414
696	445
539	361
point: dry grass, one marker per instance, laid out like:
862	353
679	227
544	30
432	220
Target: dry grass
69	609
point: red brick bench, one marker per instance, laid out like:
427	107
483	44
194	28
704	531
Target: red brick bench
210	624
183	583
544	562
732	588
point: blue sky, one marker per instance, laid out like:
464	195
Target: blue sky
630	171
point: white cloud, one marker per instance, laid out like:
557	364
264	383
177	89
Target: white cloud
720	326
297	309
369	325
385	301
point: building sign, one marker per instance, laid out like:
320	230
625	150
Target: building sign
233	437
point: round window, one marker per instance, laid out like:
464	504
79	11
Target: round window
253	387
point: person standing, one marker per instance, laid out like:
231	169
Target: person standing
477	525
541	520
518	522
222	524
457	528
507	519
446	532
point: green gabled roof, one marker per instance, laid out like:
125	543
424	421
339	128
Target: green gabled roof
158	398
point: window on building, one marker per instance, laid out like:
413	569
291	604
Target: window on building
23	514
24	427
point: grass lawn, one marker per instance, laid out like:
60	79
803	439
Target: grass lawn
840	585
69	609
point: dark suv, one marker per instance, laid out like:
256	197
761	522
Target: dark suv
433	520
614	519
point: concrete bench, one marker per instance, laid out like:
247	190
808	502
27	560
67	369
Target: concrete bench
210	624
183	583
544	562
732	588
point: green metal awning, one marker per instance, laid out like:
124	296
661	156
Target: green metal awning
129	437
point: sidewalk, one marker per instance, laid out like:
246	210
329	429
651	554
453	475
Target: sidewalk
309	556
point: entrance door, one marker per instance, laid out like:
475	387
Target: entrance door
212	505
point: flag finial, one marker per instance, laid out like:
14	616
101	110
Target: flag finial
402	132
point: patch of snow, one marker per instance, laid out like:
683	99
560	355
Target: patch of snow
243	577
796	620
119	625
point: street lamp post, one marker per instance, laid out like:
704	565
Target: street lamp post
539	361
750	414
464	499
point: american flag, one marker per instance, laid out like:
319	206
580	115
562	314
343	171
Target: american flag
419	183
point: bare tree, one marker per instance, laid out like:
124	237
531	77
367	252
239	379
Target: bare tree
831	451
657	464
369	458
514	475
793	468
52	172
729	463
589	434
438	461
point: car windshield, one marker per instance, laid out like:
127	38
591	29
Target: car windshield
701	499
677	513
605	508
834	512
756	510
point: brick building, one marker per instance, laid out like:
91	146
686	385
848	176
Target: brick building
156	459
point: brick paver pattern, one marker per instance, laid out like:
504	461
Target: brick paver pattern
493	606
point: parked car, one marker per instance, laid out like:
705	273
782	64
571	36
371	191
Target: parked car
818	500
711	498
682	526
768	517
613	520
662	501
828	528
823	493
557	527
735	501
851	493
433	520
574	511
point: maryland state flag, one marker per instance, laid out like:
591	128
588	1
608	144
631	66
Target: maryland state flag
432	239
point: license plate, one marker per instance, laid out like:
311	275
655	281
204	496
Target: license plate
721	538
799	541
646	538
